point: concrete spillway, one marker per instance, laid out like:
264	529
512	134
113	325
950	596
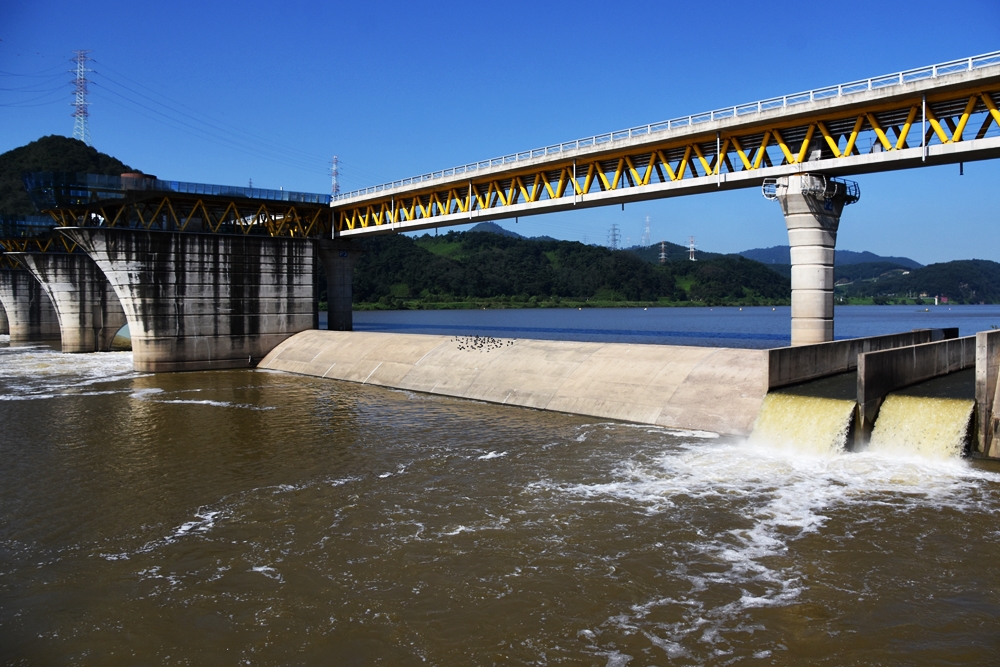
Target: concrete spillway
716	389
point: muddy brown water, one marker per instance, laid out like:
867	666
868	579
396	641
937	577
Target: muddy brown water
256	518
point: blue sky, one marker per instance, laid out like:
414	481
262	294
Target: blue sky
225	92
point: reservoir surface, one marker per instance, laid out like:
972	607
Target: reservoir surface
259	518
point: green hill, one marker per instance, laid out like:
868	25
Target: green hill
51	153
482	269
961	281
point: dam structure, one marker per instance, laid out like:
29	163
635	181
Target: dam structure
212	277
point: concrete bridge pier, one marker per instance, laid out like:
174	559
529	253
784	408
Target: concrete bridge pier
86	305
339	259
205	301
4	327
812	204
30	315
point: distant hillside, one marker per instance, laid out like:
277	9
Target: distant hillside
962	281
780	254
494	228
673	252
473	269
51	153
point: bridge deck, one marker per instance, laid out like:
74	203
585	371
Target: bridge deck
934	115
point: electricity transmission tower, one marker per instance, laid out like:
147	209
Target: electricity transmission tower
614	238
335	173
646	242
663	252
81	129
691	249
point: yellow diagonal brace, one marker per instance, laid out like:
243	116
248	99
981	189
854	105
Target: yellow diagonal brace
741	153
722	153
548	186
801	157
618	175
649	168
759	157
701	158
683	164
636	178
884	140
663	160
994	112
905	130
564	178
588	180
964	119
936	126
784	148
830	141
854	135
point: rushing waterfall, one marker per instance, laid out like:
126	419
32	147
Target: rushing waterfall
922	426
809	424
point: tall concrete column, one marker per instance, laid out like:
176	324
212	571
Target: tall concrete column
4	327
87	307
30	315
812	204
339	259
204	301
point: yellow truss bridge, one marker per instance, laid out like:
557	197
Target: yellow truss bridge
933	115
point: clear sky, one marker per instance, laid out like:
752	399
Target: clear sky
224	92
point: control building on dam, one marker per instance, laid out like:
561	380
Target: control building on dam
225	277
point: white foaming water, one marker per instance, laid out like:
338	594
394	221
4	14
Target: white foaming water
785	495
922	426
39	372
803	423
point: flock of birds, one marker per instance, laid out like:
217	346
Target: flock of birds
480	343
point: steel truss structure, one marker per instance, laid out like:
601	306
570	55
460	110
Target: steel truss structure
923	121
201	214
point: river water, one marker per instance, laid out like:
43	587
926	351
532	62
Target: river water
259	518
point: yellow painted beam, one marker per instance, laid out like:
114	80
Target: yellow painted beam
758	158
884	140
964	119
910	117
801	157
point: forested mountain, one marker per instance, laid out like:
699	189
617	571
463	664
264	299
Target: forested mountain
51	153
494	270
779	254
962	281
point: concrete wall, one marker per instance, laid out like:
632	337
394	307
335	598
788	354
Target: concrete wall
87	307
201	301
987	408
4	328
880	373
339	258
715	389
791	365
30	314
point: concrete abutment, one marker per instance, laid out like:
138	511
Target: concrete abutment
205	301
30	314
86	305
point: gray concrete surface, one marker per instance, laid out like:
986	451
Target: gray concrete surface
792	365
30	315
987	407
87	307
203	301
4	328
704	388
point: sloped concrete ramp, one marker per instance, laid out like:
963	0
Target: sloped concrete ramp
704	388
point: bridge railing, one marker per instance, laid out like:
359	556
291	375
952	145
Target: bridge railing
54	189
840	90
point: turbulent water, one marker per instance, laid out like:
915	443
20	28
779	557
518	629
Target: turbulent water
257	518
